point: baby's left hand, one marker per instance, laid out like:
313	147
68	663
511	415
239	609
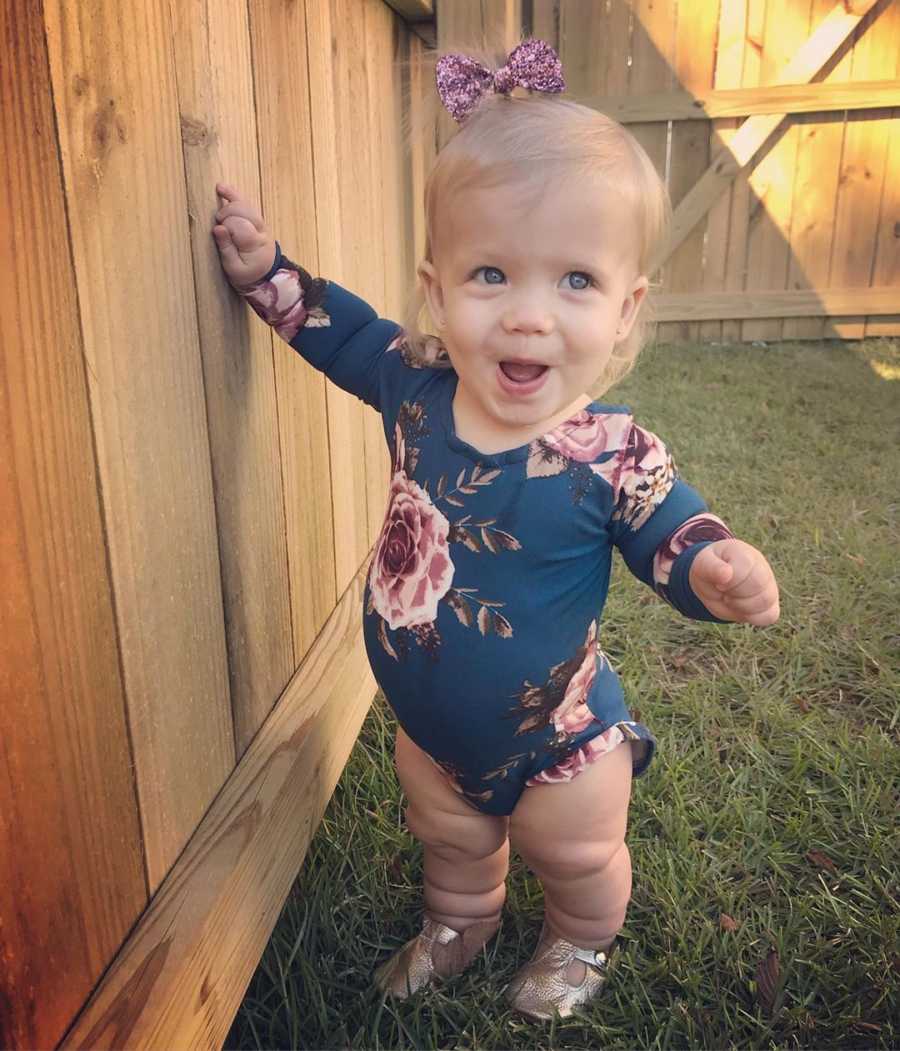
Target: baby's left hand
735	582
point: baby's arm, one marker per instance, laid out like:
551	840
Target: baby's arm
334	330
688	556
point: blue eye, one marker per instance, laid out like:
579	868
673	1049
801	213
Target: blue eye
581	280
489	272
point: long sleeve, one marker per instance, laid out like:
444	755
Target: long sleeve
334	330
660	523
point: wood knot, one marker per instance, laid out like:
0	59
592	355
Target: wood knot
108	127
195	132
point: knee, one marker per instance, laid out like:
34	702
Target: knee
571	859
472	838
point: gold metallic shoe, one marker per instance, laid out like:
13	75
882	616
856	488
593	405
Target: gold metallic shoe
541	987
438	952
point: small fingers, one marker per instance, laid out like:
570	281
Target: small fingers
241	210
752	605
229	192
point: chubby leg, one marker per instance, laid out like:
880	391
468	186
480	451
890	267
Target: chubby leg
466	861
572	834
466	851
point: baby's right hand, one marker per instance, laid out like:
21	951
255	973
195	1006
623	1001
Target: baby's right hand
246	248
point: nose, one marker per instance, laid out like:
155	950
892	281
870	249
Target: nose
527	314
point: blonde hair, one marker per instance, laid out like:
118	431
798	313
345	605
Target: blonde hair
529	140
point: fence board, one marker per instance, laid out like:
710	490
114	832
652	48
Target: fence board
772	179
695	55
863	164
727	74
280	63
887	254
338	172
819	141
219	142
384	225
70	837
594	46
116	109
653	58
717	104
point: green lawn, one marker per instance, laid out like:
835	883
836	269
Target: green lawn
766	886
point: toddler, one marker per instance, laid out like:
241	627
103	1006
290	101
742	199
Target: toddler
510	486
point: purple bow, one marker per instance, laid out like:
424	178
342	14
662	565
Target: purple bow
461	81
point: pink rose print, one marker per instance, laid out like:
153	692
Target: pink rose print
573	764
573	714
694	531
289	300
648	474
411	569
581	438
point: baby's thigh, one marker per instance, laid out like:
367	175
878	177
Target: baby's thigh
437	815
576	822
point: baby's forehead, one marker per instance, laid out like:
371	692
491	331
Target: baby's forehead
537	218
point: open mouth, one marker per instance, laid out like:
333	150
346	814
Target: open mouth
520	373
518	379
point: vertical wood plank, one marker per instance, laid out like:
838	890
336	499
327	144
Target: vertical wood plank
116	109
218	131
423	149
739	219
819	140
689	150
728	73
339	172
863	164
72	880
545	21
389	241
595	47
287	185
886	271
653	69
772	179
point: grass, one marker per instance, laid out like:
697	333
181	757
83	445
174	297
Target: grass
764	835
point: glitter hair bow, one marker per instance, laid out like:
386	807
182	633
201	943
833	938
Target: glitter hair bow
462	82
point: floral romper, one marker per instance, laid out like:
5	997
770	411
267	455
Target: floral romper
485	590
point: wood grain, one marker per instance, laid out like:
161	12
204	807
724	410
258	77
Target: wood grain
729	68
280	64
653	61
863	164
72	879
715	104
334	74
219	144
821	302
771	180
179	978
117	113
689	148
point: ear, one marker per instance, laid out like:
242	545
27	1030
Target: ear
434	292
631	306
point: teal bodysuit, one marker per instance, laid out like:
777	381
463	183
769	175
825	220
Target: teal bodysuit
487	582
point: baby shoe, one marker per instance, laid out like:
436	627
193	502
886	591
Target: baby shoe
541	987
438	952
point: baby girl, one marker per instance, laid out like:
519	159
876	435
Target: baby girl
509	488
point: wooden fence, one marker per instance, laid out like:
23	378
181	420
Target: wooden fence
186	508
